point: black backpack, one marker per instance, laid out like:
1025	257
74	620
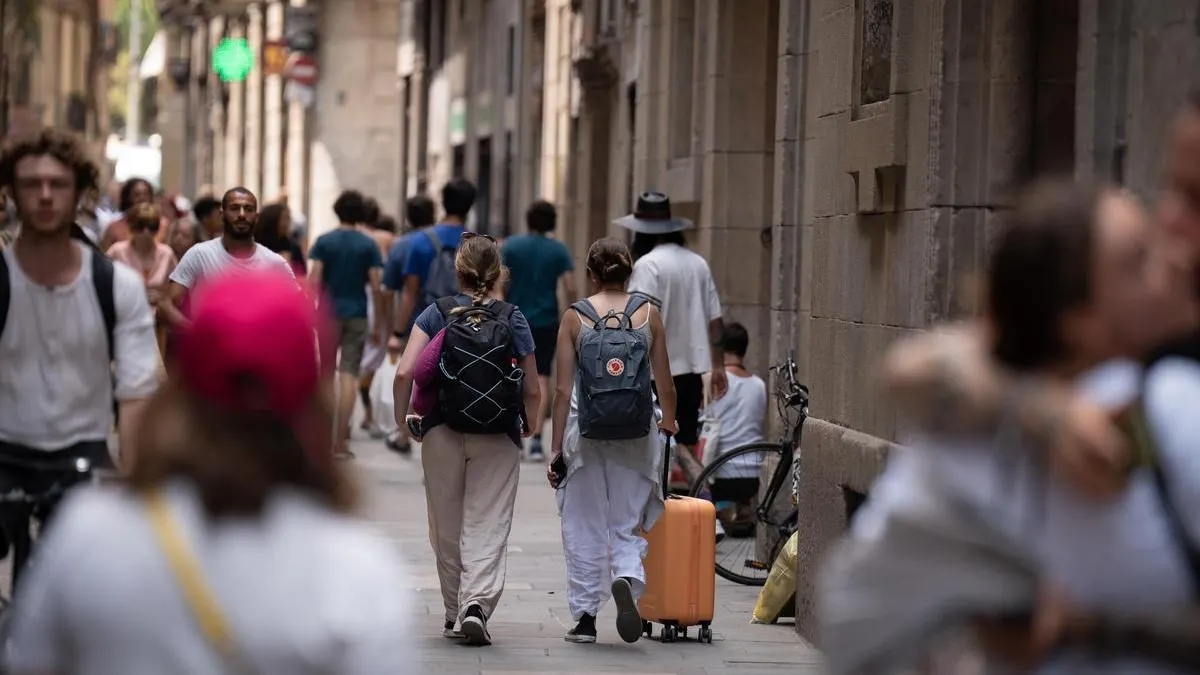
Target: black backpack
103	278
479	384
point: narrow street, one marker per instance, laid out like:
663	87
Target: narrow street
528	627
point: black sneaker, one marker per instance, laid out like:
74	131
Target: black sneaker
474	627
629	621
584	632
449	632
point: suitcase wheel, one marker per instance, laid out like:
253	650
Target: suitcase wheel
706	634
668	634
648	628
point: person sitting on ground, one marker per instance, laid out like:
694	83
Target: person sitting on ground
738	418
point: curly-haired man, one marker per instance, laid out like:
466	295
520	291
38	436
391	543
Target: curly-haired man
72	323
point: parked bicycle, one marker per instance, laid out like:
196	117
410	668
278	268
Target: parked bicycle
20	508
750	511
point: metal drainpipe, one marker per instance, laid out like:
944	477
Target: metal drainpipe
514	162
1124	33
4	61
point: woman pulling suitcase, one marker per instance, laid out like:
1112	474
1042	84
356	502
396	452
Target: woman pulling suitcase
606	455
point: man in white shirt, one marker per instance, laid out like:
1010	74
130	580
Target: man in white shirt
235	249
72	323
679	282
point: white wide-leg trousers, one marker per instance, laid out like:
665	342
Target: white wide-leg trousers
601	515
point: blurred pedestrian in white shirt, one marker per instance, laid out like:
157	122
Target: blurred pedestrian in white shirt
233	547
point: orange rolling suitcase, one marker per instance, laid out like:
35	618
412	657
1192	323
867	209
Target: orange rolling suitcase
680	568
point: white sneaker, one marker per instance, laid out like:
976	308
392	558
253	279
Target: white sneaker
720	530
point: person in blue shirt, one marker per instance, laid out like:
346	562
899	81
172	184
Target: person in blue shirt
346	265
419	211
458	197
537	265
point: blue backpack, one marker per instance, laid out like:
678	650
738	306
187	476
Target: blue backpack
613	374
442	279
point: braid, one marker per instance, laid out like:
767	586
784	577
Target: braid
479	294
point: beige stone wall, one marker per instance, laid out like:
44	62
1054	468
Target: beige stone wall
355	122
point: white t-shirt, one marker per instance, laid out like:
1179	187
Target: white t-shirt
682	285
304	590
210	257
56	385
742	412
1117	556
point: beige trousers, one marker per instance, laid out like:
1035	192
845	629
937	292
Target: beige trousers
470	488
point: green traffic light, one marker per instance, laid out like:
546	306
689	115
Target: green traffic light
232	59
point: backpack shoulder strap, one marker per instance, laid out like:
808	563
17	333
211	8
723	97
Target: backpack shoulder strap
5	291
104	279
447	305
434	239
1187	546
636	300
586	310
503	310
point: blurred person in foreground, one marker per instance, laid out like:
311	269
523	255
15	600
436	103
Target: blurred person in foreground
1078	284
946	382
235	504
77	330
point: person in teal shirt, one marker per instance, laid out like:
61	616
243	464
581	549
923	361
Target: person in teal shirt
347	269
536	264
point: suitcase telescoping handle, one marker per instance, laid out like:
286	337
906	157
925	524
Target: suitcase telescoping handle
667	458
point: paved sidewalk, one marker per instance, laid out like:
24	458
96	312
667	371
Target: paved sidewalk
528	626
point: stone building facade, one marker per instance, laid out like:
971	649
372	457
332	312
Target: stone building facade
56	70
249	133
845	161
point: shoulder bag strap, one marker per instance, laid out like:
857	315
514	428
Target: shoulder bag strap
190	578
1191	554
5	291
1187	546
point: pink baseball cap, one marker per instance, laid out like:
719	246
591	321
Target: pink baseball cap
252	344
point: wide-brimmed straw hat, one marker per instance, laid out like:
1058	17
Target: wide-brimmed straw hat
653	216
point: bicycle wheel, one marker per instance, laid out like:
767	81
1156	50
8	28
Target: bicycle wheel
732	483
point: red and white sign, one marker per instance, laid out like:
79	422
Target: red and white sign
616	367
302	69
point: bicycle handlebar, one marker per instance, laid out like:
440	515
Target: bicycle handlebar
797	393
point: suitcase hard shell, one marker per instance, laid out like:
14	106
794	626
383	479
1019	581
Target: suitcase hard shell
680	569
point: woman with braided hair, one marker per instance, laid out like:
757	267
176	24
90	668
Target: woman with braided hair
471	440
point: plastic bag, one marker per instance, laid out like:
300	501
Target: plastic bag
383	399
781	584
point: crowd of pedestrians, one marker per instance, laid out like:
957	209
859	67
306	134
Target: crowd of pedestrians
230	355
